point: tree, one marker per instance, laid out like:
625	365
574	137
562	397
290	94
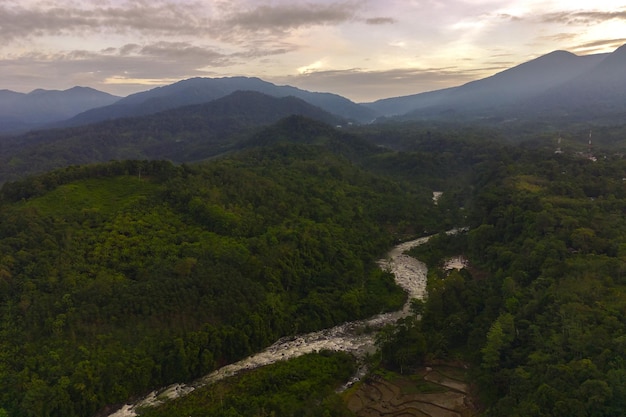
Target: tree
500	335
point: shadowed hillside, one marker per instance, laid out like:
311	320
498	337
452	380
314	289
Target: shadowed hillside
185	134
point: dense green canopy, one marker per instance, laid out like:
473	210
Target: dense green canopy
120	277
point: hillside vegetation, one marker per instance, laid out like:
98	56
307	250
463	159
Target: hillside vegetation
184	134
121	277
537	316
539	312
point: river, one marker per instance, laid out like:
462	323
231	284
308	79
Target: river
409	273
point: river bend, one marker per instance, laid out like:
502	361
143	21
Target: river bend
409	273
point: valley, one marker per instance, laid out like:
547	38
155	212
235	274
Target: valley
215	240
356	338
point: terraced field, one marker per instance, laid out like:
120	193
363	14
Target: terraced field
433	392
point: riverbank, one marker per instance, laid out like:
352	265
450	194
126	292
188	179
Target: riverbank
409	273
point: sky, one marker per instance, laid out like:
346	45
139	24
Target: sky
361	49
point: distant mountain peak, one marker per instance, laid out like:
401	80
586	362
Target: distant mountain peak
200	90
558	53
41	106
559	82
83	88
619	55
556	58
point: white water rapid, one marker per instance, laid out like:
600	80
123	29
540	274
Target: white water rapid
409	273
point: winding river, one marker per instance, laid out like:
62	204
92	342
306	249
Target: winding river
409	273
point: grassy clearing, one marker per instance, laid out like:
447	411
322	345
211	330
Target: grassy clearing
415	384
105	195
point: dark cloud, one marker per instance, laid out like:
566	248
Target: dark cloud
254	28
155	17
161	17
128	49
183	52
380	21
289	16
262	52
169	56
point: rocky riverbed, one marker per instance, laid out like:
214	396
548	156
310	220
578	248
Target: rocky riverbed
350	337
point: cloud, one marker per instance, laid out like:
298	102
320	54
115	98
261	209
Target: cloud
559	37
128	49
583	17
162	17
316	66
380	21
290	16
61	43
255	30
154	17
183	52
510	17
116	42
595	46
599	45
176	60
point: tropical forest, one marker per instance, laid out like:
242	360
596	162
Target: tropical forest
120	277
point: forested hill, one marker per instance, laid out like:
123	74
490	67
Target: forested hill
121	277
540	311
303	130
189	133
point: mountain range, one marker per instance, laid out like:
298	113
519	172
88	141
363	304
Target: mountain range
202	90
184	134
19	111
558	85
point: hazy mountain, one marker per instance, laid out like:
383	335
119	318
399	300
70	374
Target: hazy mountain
599	93
20	111
557	85
395	106
11	124
552	83
183	134
525	80
202	90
